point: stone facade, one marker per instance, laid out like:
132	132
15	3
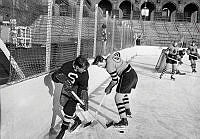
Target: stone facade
158	9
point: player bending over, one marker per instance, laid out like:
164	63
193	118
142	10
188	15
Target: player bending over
118	68
193	55
74	77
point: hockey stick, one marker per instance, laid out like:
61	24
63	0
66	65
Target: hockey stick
193	55
74	94
96	119
100	105
89	123
176	60
95	116
172	59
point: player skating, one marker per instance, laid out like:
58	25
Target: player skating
193	55
74	76
181	53
117	67
172	58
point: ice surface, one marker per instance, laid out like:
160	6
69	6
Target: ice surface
161	108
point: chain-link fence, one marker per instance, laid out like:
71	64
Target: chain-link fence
50	35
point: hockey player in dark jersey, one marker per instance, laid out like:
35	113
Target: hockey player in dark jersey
193	55
181	53
172	58
74	77
118	68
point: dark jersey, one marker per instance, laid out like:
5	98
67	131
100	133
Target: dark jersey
181	53
192	49
76	78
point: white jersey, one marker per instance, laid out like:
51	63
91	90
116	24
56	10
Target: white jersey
115	65
173	50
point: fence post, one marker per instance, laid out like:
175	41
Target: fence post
48	41
113	33
95	30
122	35
79	27
105	43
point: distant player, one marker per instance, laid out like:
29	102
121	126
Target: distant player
104	37
172	58
193	55
74	77
118	68
181	53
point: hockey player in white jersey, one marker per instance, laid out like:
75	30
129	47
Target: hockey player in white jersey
118	68
193	55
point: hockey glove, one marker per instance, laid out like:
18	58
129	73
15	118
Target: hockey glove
67	85
180	62
110	86
61	77
53	76
83	107
108	90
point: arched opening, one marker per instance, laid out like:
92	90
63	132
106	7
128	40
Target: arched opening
150	6
191	12
105	5
168	10
126	8
65	8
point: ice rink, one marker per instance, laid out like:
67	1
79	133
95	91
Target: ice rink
161	108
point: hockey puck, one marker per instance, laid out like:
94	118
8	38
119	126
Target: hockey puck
121	131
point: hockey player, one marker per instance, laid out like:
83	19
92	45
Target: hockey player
193	55
74	77
104	38
172	58
181	53
118	68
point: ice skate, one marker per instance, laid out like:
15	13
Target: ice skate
109	124
122	123
193	71
62	131
61	134
128	113
172	78
180	73
77	122
161	76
